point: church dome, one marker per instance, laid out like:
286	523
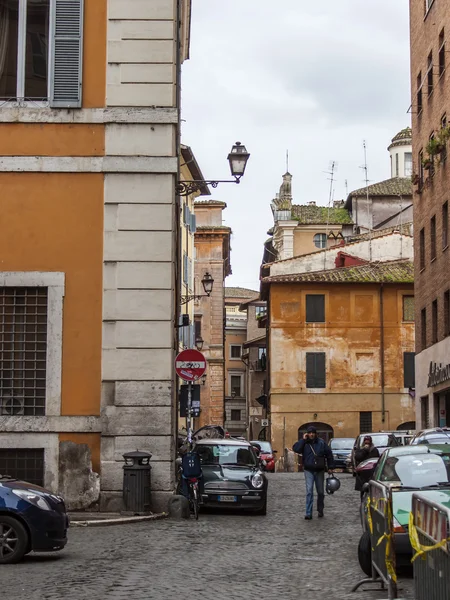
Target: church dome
403	137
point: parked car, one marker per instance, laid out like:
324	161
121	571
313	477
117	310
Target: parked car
404	437
232	476
437	435
267	455
342	450
413	468
31	519
381	441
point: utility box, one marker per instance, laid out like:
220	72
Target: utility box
136	482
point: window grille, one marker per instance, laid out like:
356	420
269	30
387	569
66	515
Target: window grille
24	464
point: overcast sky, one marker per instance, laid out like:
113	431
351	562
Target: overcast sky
316	78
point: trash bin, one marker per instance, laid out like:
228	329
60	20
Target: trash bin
136	482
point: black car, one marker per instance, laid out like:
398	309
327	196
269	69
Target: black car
232	475
341	449
31	519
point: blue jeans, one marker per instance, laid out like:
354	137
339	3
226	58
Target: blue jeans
311	478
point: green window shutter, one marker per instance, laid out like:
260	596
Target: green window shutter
409	371
66	60
315	308
315	370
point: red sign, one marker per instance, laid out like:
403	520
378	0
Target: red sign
190	365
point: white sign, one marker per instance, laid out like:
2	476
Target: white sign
264	422
256	411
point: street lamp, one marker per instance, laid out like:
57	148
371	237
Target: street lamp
207	283
199	343
238	158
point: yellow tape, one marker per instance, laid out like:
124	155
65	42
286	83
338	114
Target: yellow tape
369	517
415	542
386	536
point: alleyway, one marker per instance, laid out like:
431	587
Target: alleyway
222	557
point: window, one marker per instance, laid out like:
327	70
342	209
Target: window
408	308
447	313
236	385
421	169
408	164
424	412
315	370
430	82
23	351
432	167
235	352
422	248
409	372
198	328
365	422
423	328
419	93
41	51
444	126
445	225
235	414
26	465
260	311
320	240
396	165
434	322
315	308
441	53
433	237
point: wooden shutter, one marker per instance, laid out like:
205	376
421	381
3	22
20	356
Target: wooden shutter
66	63
315	308
409	371
315	370
193	223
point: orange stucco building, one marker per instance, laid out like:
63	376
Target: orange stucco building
341	350
89	158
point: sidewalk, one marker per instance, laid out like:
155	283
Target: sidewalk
97	519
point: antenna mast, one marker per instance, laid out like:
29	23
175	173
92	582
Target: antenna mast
331	172
366	179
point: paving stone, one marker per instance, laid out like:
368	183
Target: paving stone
221	556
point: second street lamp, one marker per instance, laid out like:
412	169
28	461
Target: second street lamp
238	158
207	283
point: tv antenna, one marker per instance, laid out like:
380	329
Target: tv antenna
331	173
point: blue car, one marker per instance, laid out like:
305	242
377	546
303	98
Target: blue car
31	519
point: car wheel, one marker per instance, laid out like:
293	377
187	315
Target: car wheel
263	510
365	553
13	540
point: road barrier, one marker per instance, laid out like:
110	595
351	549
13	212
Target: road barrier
429	532
381	529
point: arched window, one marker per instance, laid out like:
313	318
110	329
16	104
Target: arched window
320	240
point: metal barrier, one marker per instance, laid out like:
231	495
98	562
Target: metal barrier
380	521
429	532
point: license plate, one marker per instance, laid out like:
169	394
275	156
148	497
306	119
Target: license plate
227	498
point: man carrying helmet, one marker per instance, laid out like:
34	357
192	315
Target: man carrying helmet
317	458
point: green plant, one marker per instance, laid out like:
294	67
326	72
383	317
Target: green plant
434	147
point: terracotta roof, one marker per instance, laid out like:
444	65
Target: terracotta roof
213	228
397	186
403	229
238	292
320	215
399	271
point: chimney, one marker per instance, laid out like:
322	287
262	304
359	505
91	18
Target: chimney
312	203
338	204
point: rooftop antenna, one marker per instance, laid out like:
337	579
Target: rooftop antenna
287	161
331	172
366	179
346	189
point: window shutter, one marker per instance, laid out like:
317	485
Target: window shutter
185	269
66	63
409	371
315	370
315	308
193	223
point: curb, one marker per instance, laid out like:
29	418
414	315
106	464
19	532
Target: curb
119	521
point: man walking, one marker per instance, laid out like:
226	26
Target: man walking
317	458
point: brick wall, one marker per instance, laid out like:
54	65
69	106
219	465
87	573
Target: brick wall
433	280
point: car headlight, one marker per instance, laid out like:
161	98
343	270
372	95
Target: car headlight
257	480
33	498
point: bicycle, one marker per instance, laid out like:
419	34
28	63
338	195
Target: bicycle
191	473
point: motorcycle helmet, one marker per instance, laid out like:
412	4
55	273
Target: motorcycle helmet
332	484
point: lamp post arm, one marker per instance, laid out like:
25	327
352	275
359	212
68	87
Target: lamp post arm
186	188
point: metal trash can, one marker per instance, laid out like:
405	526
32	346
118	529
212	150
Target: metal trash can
136	482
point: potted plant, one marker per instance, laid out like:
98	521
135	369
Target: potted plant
427	163
434	147
415	179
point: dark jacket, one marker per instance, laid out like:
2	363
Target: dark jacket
303	447
365	453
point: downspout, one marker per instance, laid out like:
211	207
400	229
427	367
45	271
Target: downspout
383	399
268	367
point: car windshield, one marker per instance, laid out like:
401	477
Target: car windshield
342	444
417	470
379	441
266	448
226	454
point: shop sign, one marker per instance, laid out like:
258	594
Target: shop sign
438	373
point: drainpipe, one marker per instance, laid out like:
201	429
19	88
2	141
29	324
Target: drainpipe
383	399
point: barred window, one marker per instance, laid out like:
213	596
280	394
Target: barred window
23	350
25	464
408	308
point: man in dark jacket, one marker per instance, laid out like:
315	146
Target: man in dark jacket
368	450
317	458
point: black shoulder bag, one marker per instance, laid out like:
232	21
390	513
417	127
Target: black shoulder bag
318	461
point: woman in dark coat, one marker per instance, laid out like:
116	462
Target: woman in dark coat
367	451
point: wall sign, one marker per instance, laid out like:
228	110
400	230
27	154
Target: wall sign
438	373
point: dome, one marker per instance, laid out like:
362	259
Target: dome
403	137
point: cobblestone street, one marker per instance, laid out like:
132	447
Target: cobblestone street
222	556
